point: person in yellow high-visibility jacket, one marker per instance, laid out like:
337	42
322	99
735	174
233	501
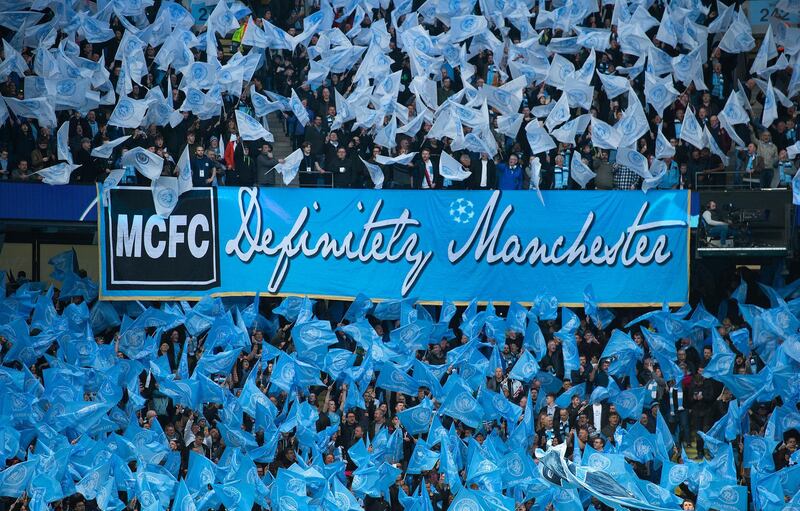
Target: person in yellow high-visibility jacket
236	40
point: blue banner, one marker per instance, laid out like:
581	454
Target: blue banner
45	203
633	248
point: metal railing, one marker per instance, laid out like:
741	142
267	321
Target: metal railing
730	180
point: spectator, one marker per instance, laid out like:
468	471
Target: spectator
203	170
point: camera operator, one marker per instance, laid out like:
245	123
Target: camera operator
715	225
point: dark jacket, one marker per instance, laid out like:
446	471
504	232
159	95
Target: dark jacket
474	181
345	173
419	175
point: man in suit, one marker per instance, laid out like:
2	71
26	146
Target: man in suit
484	174
345	173
426	173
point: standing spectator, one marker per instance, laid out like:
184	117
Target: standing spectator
625	178
509	175
426	174
265	163
203	171
484	174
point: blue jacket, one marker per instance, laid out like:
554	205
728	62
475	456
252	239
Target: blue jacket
508	178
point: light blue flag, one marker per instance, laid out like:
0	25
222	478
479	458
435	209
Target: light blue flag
601	317
722	361
395	379
534	339
290	307
459	404
623	353
417	419
183	499
359	308
525	368
218	363
638	444
422	459
563	401
758	452
200	474
569	325
496	406
722	496
630	403
15	479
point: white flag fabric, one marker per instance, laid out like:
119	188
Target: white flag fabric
734	112
657	172
401	159
57	174
634	160
184	169
538	138
604	136
412	127
536	176
559	114
62	143
663	148
579	171
509	125
614	86
35	108
147	163
739	36
251	129
291	164
770	106
298	109
375	173
633	124
261	104
579	94
450	168
107	149
165	191
112	181
793	150
129	113
691	131
796	189
659	92
714	147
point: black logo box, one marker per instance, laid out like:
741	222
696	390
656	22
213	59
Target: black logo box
183	272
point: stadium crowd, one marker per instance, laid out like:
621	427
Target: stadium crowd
131	359
755	155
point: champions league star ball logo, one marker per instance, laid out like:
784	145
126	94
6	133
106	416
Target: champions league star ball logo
462	211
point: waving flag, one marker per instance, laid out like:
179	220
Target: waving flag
107	149
289	167
691	131
579	171
147	163
129	113
451	169
251	129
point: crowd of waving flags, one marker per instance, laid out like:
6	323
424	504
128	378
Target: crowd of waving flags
71	432
60	79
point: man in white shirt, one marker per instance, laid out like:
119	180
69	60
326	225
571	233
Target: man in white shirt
484	175
426	176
